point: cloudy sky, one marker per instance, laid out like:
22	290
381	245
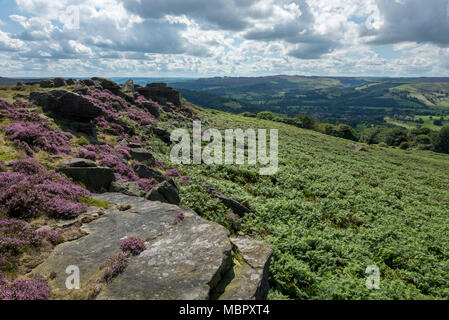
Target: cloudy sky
192	38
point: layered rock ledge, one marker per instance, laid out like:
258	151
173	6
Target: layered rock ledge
190	259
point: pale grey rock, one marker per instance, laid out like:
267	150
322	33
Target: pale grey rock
79	163
182	261
250	281
130	188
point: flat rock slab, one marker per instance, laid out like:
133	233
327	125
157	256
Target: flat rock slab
182	261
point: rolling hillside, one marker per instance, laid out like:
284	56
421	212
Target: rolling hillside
350	100
331	211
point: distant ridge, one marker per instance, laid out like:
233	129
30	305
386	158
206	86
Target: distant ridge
14	81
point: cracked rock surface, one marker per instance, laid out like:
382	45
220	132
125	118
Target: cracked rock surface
190	259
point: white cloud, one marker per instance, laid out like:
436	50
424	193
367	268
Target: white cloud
227	37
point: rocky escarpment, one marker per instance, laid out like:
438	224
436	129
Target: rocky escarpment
112	138
186	259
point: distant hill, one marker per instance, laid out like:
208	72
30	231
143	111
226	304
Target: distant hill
353	100
13	81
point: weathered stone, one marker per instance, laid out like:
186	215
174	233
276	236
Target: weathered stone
79	163
250	276
182	261
70	82
143	155
46	84
107	84
84	127
134	145
161	93
151	107
356	147
86	82
162	134
66	104
20	96
59	82
164	192
96	179
144	172
148	129
80	88
130	188
128	90
232	204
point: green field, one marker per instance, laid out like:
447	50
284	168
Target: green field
353	101
427	122
430	94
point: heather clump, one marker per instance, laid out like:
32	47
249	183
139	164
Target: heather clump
16	236
159	164
172	173
24	289
53	236
25	195
147	184
110	126
109	156
185	180
86	154
33	137
28	166
30	132
133	245
114	265
121	169
18	111
140	116
118	117
124	151
178	218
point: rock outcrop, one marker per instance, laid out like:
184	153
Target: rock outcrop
128	90
66	104
164	192
107	84
151	107
161	93
130	188
143	155
356	147
144	172
188	259
96	179
249	278
232	204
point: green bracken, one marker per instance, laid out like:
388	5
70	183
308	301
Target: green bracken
330	211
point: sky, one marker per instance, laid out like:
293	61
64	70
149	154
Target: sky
206	38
